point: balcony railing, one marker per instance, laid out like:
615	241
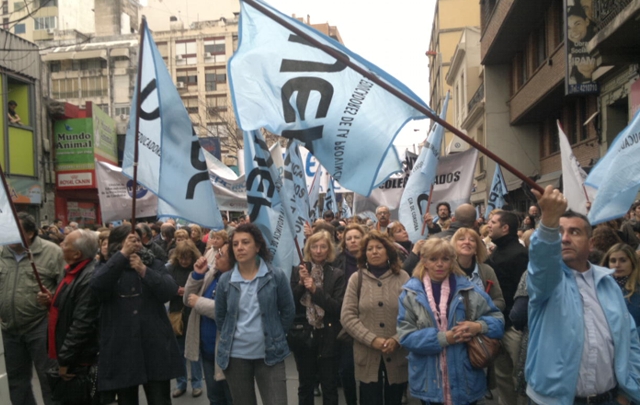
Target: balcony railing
604	11
477	97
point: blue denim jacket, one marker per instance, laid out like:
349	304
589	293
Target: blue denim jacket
277	309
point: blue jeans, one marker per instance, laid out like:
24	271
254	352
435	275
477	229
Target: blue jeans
217	391
22	353
196	370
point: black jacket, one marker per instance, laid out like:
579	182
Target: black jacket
329	298
77	327
137	343
509	260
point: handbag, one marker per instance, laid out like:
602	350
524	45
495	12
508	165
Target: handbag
176	322
302	336
344	336
79	390
482	350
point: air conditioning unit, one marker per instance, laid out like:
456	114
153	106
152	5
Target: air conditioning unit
180	85
456	145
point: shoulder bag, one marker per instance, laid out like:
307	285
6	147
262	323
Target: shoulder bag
482	350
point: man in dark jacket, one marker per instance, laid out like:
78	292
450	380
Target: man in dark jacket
509	260
73	308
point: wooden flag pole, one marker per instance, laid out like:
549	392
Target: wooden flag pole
25	242
143	27
391	89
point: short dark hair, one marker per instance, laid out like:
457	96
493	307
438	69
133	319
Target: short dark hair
573	214
577	11
328	213
255	232
510	219
117	237
144	228
13	103
28	222
392	252
446	204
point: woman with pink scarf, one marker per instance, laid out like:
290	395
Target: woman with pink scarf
432	326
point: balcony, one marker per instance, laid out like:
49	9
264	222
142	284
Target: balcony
618	38
477	97
506	27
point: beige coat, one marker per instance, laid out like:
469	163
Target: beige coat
204	307
375	316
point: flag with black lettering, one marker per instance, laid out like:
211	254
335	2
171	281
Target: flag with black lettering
617	176
170	159
281	82
496	193
10	232
314	195
295	192
330	197
266	208
415	198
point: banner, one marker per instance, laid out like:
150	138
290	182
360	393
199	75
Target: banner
330	203
266	209
170	161
617	176
496	193
115	191
282	83
414	200
10	232
295	191
453	184
580	64
314	195
573	177
229	188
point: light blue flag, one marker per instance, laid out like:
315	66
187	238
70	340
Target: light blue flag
170	163
617	176
266	208
314	196
497	192
345	211
295	191
330	203
282	83
415	197
10	232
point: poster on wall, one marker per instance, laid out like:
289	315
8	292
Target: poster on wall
74	144
104	133
84	213
580	29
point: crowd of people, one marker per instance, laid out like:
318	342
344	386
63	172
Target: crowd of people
366	310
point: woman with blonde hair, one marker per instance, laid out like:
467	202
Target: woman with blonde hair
216	240
318	290
196	237
180	266
433	327
624	260
369	313
472	254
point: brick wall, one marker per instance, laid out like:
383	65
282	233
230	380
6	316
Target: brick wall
584	151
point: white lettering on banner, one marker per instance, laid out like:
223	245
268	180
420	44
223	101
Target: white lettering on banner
75	180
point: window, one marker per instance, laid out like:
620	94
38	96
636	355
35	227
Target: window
186	53
5	7
122	110
214	49
55	66
45	23
64	88
18	5
89	64
94	86
558	22
216	105
19	29
191	104
5	23
218	130
189	77
215	79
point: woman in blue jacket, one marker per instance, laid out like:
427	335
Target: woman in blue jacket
254	309
432	325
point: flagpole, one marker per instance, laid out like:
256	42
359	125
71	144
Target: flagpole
424	224
391	89
25	243
143	27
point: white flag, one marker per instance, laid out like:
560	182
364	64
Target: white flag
10	232
115	191
229	188
573	177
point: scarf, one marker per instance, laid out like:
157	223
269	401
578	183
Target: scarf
440	313
315	314
69	275
622	281
378	271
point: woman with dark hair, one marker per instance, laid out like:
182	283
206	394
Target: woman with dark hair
180	265
254	310
318	289
369	313
137	345
398	233
529	222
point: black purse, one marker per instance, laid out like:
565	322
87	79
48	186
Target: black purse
79	390
302	336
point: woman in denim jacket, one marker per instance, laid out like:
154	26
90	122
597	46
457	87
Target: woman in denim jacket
254	309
